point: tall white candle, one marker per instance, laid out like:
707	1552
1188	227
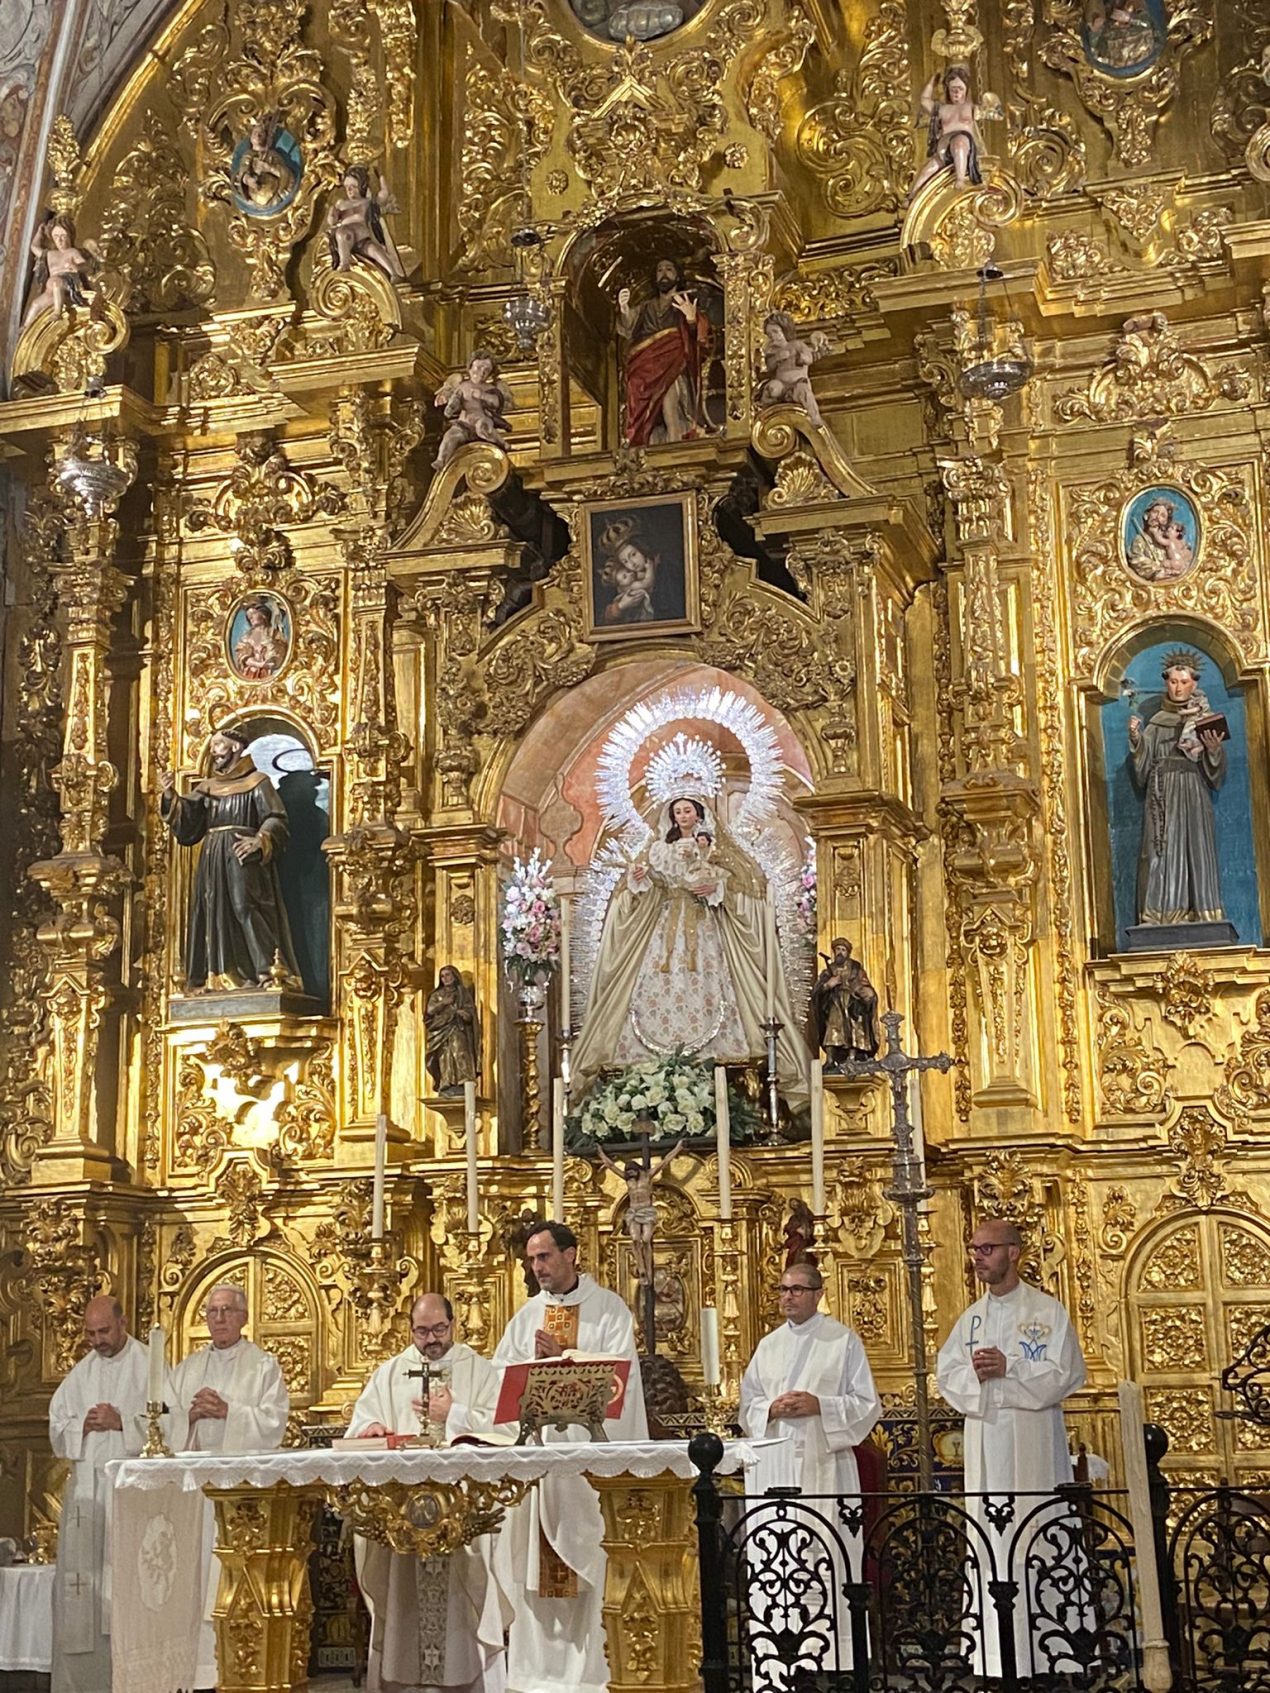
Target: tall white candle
566	963
381	1164
723	1136
771	964
919	1135
818	1137
710	1372
154	1380
557	1150
469	1152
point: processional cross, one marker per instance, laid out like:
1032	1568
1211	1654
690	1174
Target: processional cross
908	1190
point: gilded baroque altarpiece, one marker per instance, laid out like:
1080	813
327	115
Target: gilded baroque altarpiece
931	595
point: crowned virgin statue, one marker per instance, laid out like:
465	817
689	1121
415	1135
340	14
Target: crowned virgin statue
688	956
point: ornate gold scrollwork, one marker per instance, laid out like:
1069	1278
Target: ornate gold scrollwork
858	143
1129	107
427	1519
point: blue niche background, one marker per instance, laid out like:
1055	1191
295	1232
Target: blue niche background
1233	801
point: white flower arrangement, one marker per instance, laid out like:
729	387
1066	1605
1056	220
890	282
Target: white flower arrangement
664	1098
531	921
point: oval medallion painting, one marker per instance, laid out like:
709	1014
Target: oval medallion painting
266	168
258	638
1161	534
1124	37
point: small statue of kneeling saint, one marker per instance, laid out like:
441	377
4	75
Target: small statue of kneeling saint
842	1015
237	920
452	1033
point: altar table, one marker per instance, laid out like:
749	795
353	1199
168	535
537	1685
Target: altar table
415	1500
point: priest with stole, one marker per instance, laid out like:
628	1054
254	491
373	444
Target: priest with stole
96	1415
226	1397
436	1623
810	1381
1010	1361
551	1550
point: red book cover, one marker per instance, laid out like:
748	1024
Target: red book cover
515	1377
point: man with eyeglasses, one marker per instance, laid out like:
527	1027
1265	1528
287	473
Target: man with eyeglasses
810	1383
228	1396
1010	1361
435	1622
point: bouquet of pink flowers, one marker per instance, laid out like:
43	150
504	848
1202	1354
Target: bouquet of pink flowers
531	921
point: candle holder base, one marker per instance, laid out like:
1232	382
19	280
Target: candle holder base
155	1446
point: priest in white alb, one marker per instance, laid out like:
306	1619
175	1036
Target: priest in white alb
226	1397
436	1623
809	1388
97	1414
551	1552
1010	1361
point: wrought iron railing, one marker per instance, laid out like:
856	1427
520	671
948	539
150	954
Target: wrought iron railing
943	1592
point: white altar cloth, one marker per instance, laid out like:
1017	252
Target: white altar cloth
155	1650
329	1466
26	1618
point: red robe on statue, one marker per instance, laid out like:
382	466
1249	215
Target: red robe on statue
655	363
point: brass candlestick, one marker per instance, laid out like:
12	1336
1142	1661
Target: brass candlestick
155	1446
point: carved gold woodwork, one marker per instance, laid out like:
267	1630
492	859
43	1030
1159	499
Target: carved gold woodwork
1109	597
651	1613
1130	108
429	1520
951	598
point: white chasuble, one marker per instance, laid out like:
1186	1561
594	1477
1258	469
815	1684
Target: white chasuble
557	1642
250	1381
436	1623
81	1587
827	1359
1014	1438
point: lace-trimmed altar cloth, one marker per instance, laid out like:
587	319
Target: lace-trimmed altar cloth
153	1646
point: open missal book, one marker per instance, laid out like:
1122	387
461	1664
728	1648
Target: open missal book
542	1372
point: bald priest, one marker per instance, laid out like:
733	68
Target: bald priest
96	1415
436	1623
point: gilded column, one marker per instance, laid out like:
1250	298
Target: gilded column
83	881
990	804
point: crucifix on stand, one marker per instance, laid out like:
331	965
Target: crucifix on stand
641	1223
909	1191
430	1372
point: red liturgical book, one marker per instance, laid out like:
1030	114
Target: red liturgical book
515	1377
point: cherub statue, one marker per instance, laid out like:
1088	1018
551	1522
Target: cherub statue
788	359
355	225
953	129
474	405
641	1213
63	269
264	175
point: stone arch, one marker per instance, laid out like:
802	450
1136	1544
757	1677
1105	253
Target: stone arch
1197	1287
